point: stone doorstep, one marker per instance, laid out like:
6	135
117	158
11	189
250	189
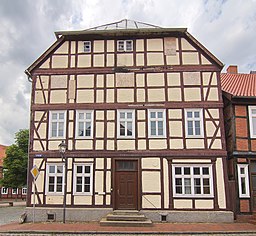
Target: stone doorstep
125	218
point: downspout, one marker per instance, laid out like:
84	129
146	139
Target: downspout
29	76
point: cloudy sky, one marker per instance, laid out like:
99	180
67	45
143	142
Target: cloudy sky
225	27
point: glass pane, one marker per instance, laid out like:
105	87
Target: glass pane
129	115
79	169
87	180
61	116
128	45
186	170
122	129
190	127
51	188
78	180
254	125
59	180
206	182
61	129
129	128
121	46
160	128
196	171
187	183
51	180
122	115
87	169
189	114
243	185
177	170
206	190
54	116
59	169
59	188
88	116
152	115
79	188
254	111
81	128
160	114
196	113
178	182
197	127
205	170
51	169
81	116
153	127
242	171
87	188
54	129
126	165
178	189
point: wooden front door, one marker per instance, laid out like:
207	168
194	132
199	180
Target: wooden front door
126	185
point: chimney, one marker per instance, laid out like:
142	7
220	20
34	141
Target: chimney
232	69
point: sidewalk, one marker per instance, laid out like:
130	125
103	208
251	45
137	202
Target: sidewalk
157	228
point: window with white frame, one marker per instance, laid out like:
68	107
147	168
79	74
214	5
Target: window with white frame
55	178
157	123
4	190
83	179
252	117
87	46
192	180
14	191
24	191
84	124
57	124
194	123
124	45
126	123
243	180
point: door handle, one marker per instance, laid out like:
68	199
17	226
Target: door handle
118	191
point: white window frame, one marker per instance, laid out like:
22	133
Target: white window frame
4	192
24	191
89	50
251	116
163	119
83	175
246	176
125	48
192	177
126	120
17	191
55	175
58	121
193	119
84	121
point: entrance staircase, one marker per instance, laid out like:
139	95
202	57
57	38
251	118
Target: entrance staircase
125	218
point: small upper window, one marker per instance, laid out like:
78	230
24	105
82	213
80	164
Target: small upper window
4	190
87	46
252	117
156	123
84	124
194	123
57	124
126	124
124	46
14	191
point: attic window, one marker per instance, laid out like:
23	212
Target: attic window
124	45
87	46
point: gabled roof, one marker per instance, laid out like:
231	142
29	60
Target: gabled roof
120	29
240	85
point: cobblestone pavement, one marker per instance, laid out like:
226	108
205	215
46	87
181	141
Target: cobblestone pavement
10	214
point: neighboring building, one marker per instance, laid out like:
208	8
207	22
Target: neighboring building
140	109
239	93
9	193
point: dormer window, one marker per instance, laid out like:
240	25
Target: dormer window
124	46
87	46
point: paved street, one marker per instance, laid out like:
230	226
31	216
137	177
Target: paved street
10	214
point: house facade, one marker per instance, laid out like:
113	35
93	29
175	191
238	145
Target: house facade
140	110
239	92
9	193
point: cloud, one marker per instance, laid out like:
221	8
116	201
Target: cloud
226	28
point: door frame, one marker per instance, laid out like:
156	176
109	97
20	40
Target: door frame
113	189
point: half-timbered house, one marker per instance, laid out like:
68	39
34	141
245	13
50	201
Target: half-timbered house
140	110
239	92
